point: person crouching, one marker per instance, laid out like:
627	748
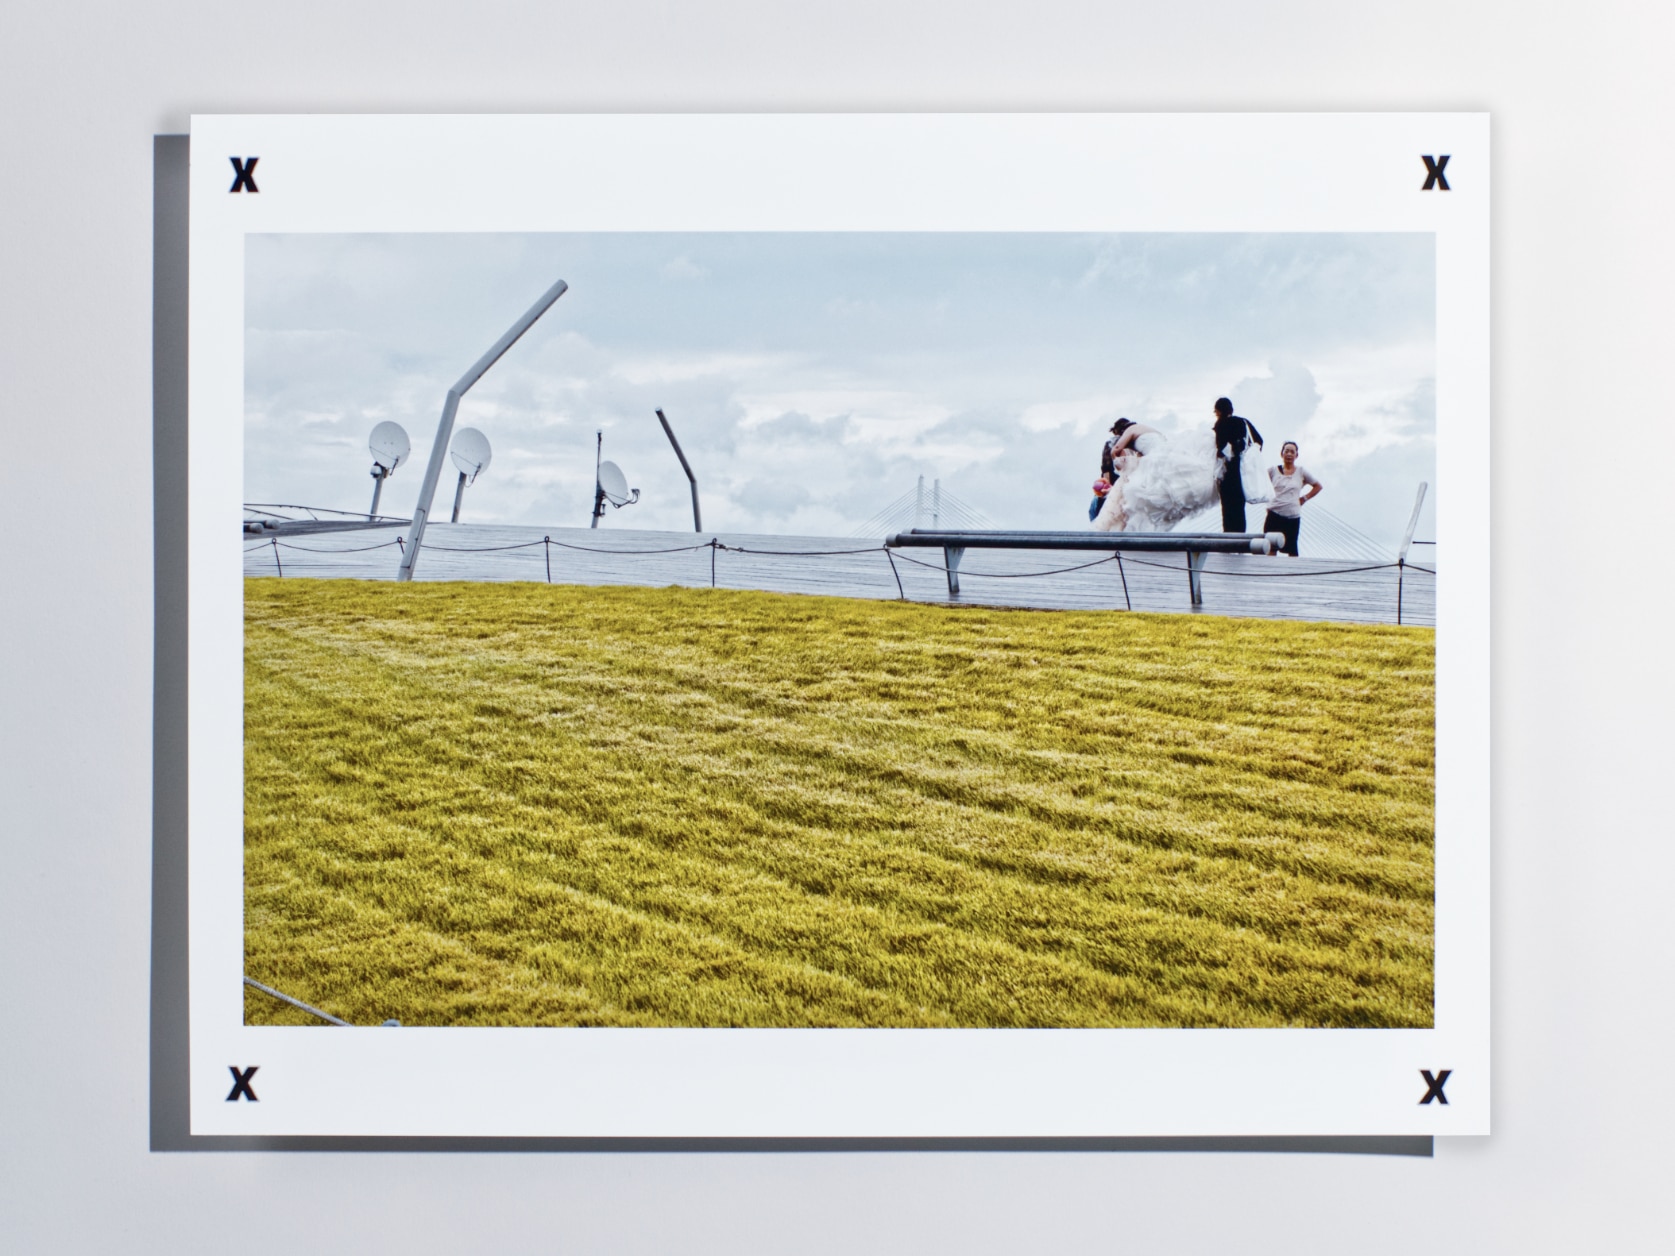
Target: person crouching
1107	472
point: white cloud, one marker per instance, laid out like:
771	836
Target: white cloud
812	379
674	368
683	267
1085	416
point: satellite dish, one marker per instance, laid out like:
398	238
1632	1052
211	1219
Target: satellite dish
614	484
470	453
609	484
389	445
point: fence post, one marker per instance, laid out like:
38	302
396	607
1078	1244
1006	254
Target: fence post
1127	605
274	541
1407	540
899	592
713	544
547	549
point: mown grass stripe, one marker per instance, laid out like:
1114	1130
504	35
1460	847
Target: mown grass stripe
912	802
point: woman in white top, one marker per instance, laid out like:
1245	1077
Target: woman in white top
1292	487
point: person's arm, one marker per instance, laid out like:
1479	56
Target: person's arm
1124	441
1311	487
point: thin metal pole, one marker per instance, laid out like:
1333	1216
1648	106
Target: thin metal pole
459	496
712	563
285	998
445	428
275	543
378	474
1127	605
1407	540
697	519
547	548
598	488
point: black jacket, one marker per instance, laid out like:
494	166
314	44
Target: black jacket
1230	433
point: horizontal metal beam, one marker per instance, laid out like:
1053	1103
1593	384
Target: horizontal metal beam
1101	542
307	527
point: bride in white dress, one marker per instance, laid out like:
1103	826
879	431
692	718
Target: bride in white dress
1162	482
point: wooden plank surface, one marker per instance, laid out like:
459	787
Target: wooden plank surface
1234	584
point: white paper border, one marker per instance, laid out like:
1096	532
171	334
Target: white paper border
1092	173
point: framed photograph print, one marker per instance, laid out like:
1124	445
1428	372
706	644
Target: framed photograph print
839	626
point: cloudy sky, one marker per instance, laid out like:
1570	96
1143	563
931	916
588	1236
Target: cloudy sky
811	378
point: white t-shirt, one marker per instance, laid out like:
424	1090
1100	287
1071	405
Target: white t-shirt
1288	490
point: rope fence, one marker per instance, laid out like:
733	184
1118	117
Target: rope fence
1023	575
1276	575
715	546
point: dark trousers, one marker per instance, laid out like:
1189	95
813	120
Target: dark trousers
1291	527
1232	496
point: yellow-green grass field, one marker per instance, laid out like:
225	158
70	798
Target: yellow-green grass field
513	804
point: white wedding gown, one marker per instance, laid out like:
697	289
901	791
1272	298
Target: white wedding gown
1172	481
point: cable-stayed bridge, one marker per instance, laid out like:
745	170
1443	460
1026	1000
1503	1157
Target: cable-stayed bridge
921	507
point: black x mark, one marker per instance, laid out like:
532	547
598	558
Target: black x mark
241	1083
245	169
1433	1086
1434	177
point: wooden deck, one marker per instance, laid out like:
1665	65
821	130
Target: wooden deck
1234	584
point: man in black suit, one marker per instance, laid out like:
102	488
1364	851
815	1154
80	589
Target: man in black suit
1230	446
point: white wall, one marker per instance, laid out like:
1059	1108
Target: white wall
1585	274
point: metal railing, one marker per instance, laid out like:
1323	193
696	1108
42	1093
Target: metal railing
1124	551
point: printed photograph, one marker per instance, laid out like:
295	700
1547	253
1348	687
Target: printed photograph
894	630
